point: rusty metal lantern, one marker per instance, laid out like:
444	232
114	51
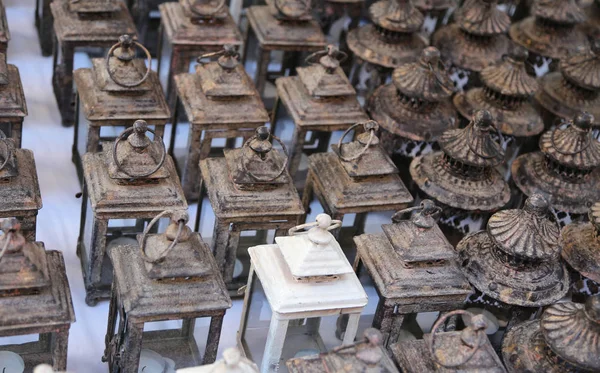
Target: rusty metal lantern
551	33
220	101
113	93
188	29
463	351
414	270
392	40
436	13
462	177
357	178
82	24
124	186
35	298
13	108
250	189
168	276
293	286
232	362
566	170
564	340
320	100
475	41
44	26
365	355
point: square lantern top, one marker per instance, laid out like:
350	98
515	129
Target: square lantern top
113	198
182	30
51	306
12	98
68	26
20	191
150	299
103	106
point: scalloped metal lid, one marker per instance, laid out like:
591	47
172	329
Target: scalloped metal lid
509	77
482	17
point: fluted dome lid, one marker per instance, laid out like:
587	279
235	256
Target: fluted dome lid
473	145
559	11
573	146
509	77
526	233
396	15
482	17
429	5
583	68
425	79
572	331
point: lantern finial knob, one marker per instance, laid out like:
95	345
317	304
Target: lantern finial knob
232	357
427	214
584	120
125	51
138	139
319	231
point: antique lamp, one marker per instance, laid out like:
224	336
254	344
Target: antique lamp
293	285
365	355
357	178
20	191
113	93
463	351
565	170
414	269
436	13
79	24
233	362
168	276
220	101
474	41
564	340
462	177
250	189
320	99
550	33
124	186
44	26
34	299
188	29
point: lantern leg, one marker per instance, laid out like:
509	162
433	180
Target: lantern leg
212	343
191	173
221	234
307	195
383	320
351	329
274	345
231	253
296	149
262	68
179	64
132	349
16	132
60	344
62	81
96	261
111	324
275	114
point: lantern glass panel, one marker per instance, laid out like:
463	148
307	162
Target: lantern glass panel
6	127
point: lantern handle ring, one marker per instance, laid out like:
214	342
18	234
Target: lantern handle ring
157	138
215	10
332	50
588	143
148	68
500	137
161	257
427	208
8	150
294	231
369	125
228	50
283	166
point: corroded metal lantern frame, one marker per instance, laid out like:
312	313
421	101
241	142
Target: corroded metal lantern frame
13	107
44	23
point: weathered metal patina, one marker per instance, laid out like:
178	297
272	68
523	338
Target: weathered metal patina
34	299
13	108
125	186
168	276
566	339
79	24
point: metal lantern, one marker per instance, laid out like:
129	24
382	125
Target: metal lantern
462	177
463	351
112	94
220	101
292	286
13	108
357	178
19	191
169	276
124	186
44	25
392	40
250	189
189	28
475	41
566	170
233	362
320	100
564	340
281	25
414	270
436	12
365	355
34	299
551	33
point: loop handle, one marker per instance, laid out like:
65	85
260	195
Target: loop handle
363	151
148	68
162	256
588	143
294	231
500	137
121	137
228	50
204	12
426	208
245	160
331	50
8	150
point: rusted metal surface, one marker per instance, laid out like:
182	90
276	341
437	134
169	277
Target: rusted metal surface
564	340
34	299
13	108
168	276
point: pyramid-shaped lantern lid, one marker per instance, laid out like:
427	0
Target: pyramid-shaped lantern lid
8	162
396	15
198	10
482	17
135	157
474	145
574	146
364	156
256	162
23	265
572	331
324	77
509	76
527	233
224	77
583	68
89	7
121	72
314	254
559	11
426	79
